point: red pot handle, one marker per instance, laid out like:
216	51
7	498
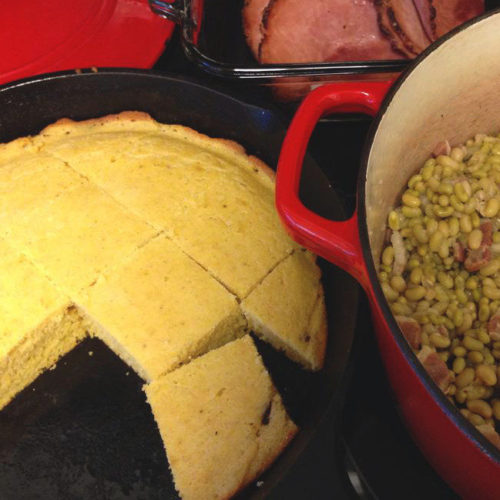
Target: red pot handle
337	242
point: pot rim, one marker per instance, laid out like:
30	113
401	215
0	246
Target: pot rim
448	408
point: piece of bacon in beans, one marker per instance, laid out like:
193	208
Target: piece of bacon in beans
435	367
494	327
411	330
478	258
458	251
487	230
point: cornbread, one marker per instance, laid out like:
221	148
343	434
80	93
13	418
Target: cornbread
201	192
293	320
75	236
221	420
140	309
164	244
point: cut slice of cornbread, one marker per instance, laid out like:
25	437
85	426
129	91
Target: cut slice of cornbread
159	309
211	198
37	327
77	234
285	318
221	420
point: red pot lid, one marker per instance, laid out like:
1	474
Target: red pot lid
38	37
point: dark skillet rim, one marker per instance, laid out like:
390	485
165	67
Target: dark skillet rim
147	73
450	410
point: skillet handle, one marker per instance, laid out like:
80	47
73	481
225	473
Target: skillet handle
336	241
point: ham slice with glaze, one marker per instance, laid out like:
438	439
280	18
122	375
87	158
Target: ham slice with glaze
253	12
294	31
400	21
391	29
323	30
427	15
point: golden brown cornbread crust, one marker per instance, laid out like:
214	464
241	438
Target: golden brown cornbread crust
140	116
95	282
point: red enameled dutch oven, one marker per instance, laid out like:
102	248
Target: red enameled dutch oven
451	92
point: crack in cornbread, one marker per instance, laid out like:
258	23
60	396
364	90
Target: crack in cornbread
155	239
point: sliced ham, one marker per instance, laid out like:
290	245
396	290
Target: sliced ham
427	15
323	30
435	367
391	29
407	17
411	330
253	13
293	31
400	19
451	13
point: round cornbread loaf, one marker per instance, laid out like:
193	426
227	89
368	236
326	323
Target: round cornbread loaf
162	242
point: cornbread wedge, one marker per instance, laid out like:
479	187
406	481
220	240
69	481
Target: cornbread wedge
221	420
159	309
38	324
293	320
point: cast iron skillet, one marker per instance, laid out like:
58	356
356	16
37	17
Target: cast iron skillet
84	430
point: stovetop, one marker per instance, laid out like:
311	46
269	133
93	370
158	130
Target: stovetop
362	450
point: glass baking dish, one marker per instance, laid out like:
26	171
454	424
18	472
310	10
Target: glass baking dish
213	39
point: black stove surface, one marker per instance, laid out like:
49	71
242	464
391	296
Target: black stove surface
363	451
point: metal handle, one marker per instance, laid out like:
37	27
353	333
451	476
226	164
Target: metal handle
173	10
